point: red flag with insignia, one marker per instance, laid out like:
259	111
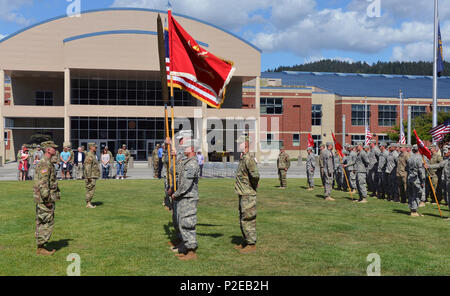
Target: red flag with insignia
422	148
196	70
310	141
337	146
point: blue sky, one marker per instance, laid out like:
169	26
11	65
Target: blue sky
288	31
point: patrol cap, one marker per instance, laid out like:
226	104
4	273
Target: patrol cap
38	146
330	144
402	145
415	147
432	146
191	143
366	146
184	134
322	145
67	144
350	146
309	148
360	144
383	144
408	146
48	144
158	145
92	145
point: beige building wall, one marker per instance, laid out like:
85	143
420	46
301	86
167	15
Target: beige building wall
327	101
24	90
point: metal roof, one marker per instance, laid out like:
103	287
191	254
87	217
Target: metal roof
361	85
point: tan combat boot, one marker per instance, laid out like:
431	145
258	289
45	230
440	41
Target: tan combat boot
414	214
248	249
329	198
191	255
240	247
363	200
310	189
41	251
90	206
421	204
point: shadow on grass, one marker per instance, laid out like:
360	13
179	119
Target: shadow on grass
213	235
208	225
97	203
237	240
433	215
169	232
401	212
57	245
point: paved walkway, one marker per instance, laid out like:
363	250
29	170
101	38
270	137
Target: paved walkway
141	171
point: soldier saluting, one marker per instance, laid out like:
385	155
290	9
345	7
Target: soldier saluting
247	178
46	193
91	174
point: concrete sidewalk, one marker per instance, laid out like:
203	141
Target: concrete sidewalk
141	171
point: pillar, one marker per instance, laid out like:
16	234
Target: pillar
258	116
2	119
67	92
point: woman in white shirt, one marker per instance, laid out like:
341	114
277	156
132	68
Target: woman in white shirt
105	164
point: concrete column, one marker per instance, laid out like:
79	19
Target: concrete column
258	116
204	132
66	105
2	119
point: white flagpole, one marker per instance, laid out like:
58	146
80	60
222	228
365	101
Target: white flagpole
435	57
365	119
402	131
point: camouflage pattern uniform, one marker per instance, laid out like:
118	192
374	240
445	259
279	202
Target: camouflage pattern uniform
445	166
435	175
187	201
55	160
402	175
372	169
127	154
361	165
155	161
91	174
382	176
416	179
310	169
391	171
46	193
338	174
351	168
247	178
328	170
283	164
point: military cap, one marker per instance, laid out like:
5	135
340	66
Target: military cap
184	134
350	146
122	145
309	148
402	145
432	146
383	144
92	145
322	145
48	144
415	147
408	146
360	144
158	145
446	149
191	143
67	144
373	141
330	144
366	146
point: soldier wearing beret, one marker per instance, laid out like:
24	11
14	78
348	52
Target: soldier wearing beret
46	193
91	174
283	164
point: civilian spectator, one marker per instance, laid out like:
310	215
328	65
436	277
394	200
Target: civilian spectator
160	162
79	162
201	161
65	163
105	160
120	159
23	164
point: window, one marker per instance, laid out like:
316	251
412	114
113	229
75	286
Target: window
387	115
417	111
44	98
358	138
271	106
316	115
6	139
271	143
444	109
296	140
317	141
358	114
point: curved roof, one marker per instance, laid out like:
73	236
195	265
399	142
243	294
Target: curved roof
370	85
117	39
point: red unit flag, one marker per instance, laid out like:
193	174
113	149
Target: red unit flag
422	148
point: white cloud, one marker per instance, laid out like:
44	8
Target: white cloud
8	11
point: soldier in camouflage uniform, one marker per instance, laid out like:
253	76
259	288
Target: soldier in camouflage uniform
322	176
402	174
372	176
127	154
55	160
91	174
310	168
247	178
445	166
155	161
350	166
46	193
416	180
361	164
338	174
391	173
328	170
283	164
434	174
382	181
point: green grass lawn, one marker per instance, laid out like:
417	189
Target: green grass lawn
298	232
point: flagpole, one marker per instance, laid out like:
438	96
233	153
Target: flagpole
402	129
365	120
435	57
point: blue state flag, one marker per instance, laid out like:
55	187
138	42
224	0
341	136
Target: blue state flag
440	55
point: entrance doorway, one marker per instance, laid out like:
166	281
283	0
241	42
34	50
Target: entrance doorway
151	144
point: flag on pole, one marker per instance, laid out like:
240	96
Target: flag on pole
337	146
310	141
402	139
423	150
368	136
196	70
438	133
440	54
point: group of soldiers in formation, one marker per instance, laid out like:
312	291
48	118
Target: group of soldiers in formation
182	202
46	191
394	172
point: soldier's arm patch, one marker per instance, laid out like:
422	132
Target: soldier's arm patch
44	171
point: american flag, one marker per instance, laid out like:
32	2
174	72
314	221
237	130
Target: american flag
368	136
402	139
440	131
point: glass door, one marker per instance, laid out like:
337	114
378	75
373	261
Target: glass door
151	144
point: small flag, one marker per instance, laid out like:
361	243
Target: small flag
402	139
440	55
337	146
438	133
423	150
310	141
368	136
196	70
